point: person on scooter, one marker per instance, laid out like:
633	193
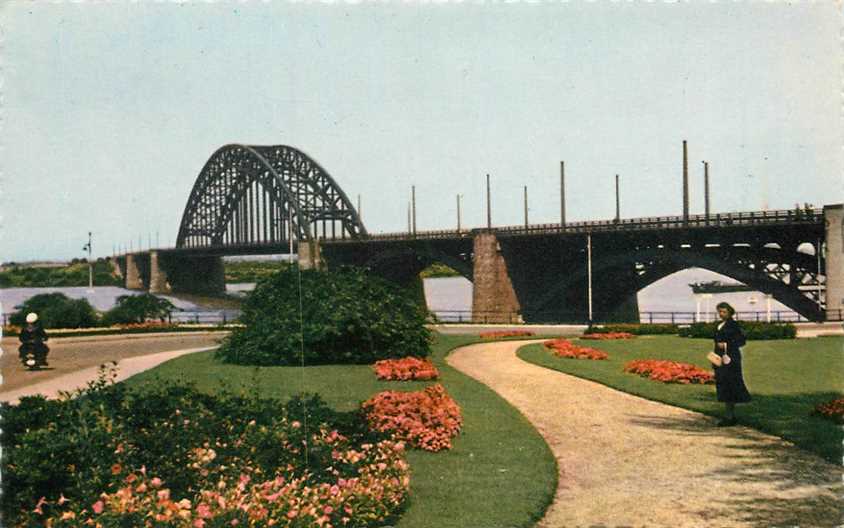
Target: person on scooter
32	339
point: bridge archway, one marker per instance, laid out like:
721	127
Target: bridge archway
790	277
264	195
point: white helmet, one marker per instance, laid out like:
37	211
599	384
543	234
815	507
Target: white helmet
32	317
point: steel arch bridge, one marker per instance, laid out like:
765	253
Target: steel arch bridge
264	196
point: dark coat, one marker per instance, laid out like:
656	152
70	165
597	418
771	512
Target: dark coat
729	382
32	338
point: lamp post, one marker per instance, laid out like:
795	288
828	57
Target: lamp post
589	273
458	212
87	247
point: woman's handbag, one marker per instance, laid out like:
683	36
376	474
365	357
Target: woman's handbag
714	358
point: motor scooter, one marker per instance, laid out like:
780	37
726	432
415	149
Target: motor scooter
33	353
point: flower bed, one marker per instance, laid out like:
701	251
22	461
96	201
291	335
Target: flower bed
498	334
425	419
178	457
669	371
831	410
405	369
566	349
374	488
609	335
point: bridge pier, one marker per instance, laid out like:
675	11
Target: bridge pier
134	272
158	280
494	299
201	275
834	225
310	255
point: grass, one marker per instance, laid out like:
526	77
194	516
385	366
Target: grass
786	378
500	472
252	271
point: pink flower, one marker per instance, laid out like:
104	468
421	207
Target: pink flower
292	514
98	507
155	482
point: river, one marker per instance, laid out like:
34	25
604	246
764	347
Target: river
454	294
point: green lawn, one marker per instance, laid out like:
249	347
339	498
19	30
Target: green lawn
786	378
500	473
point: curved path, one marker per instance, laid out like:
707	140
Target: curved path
627	461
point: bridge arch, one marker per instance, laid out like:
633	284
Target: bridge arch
768	270
261	195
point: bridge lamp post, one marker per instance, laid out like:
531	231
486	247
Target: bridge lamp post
458	211
87	247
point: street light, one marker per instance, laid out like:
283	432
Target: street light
87	247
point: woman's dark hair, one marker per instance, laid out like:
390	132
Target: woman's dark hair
727	307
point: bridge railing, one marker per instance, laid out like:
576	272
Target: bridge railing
776	217
650	317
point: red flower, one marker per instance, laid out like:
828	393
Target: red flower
505	333
566	349
833	410
609	335
669	371
409	368
425	419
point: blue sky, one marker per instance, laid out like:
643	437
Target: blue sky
111	110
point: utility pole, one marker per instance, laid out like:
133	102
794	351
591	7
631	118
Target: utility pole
458	213
617	201
563	193
290	235
589	273
90	264
526	209
157	243
706	189
685	183
360	214
413	206
488	205
409	226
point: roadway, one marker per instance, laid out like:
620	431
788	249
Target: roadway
72	354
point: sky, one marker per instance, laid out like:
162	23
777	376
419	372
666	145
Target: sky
110	110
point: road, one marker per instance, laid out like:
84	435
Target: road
71	354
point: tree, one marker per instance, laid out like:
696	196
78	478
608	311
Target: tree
137	309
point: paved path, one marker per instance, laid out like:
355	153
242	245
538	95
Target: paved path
627	461
68	382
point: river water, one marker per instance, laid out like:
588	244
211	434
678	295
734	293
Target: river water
454	294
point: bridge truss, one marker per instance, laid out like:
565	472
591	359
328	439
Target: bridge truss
253	196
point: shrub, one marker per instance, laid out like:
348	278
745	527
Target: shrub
137	309
498	334
348	316
566	349
669	371
56	310
82	447
405	369
752	330
425	419
635	329
831	410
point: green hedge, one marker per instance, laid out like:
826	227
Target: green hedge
347	316
636	329
752	330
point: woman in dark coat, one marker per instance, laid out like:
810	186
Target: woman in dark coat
729	382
